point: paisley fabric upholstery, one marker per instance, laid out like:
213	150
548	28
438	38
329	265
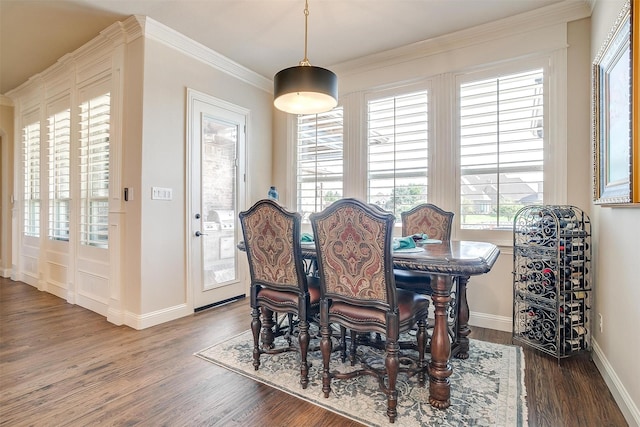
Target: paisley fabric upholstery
352	247
428	219
268	235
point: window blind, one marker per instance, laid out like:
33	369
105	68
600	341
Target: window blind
320	154
398	144
31	169
94	171
59	129
501	148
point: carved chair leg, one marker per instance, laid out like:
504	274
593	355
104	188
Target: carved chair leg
343	344
392	365
352	348
421	339
255	330
325	348
267	328
289	328
303	339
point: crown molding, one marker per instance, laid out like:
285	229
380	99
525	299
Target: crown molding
558	13
115	34
159	32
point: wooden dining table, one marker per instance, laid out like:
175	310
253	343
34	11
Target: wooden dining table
449	262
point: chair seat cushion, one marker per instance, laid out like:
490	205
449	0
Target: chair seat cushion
291	298
275	297
410	304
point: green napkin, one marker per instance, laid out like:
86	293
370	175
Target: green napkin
403	243
306	238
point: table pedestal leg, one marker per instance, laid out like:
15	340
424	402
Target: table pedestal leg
439	367
463	319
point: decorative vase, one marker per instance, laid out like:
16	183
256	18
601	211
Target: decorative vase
273	193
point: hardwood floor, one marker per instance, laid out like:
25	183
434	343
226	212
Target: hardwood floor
62	365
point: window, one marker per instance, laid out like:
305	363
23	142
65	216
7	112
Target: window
319	160
501	148
59	174
94	171
31	170
397	146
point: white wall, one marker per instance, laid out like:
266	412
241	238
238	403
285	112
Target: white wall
616	235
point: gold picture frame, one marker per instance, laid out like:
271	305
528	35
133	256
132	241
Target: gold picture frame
615	113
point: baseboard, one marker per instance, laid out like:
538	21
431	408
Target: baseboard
6	272
625	403
491	321
142	321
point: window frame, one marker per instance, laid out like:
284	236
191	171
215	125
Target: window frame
88	205
396	92
444	134
31	224
296	189
53	201
554	176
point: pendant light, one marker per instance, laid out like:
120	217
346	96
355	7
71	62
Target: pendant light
305	89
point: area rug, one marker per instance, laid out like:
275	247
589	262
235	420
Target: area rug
486	390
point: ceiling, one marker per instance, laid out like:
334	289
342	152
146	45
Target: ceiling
262	35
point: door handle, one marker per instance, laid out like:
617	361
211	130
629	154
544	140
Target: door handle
198	234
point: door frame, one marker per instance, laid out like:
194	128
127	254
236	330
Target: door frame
194	96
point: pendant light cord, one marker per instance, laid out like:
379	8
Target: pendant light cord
305	61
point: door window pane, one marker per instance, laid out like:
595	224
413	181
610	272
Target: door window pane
94	171
219	144
31	170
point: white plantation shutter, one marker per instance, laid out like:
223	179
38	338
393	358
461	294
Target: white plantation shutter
501	148
320	154
398	143
94	171
31	170
59	129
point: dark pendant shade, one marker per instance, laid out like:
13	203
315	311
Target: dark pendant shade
305	89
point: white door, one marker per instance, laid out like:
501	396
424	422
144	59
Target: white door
217	144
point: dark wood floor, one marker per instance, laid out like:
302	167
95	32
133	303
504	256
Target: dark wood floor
62	365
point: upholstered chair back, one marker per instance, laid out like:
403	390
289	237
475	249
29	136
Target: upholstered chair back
353	245
272	242
428	219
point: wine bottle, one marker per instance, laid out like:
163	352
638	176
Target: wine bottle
573	345
569	308
571	320
575	332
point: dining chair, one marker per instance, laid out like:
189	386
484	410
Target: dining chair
358	292
278	281
426	219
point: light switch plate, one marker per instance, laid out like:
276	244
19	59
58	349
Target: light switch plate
161	193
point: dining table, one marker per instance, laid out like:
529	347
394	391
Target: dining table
448	262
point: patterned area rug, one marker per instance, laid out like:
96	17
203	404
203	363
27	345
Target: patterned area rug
486	390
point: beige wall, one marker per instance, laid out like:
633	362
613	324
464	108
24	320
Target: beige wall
6	184
616	240
167	75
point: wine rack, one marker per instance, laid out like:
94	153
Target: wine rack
552	284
